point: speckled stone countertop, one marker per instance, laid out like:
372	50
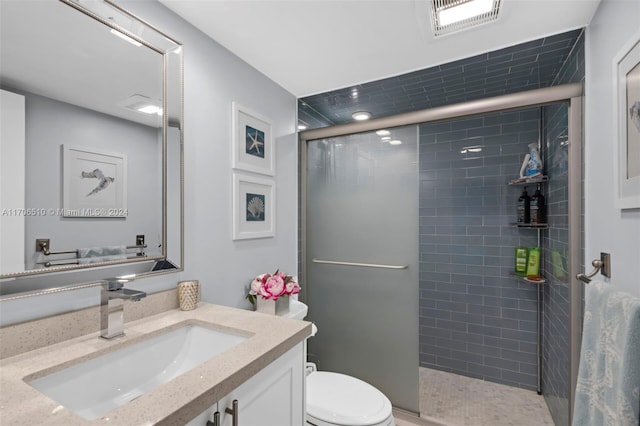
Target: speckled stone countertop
173	403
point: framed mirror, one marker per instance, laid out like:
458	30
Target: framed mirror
91	149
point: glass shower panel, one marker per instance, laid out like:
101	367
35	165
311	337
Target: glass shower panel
362	259
556	343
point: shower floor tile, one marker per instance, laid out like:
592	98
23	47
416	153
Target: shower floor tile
455	400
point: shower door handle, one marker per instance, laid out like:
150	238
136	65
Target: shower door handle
364	265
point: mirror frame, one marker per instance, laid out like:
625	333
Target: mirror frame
173	116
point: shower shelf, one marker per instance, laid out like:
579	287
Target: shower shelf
520	277
531	225
529	181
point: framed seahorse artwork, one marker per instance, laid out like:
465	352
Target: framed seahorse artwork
254	201
94	183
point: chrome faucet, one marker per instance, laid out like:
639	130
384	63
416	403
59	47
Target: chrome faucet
112	297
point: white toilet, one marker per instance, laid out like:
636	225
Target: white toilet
335	399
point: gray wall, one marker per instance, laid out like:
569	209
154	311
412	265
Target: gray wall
613	28
213	79
51	124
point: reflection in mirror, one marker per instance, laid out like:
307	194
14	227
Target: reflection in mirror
91	144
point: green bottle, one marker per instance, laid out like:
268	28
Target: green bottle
533	264
521	261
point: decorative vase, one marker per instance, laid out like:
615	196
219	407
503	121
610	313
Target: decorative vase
188	294
273	307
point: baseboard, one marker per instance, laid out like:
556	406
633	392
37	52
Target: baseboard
415	418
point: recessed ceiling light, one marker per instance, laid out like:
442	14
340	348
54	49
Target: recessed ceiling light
302	127
383	132
453	15
395	142
150	109
361	115
386	138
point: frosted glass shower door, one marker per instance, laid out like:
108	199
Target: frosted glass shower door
362	260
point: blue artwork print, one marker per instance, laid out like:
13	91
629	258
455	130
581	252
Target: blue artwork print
255	207
254	142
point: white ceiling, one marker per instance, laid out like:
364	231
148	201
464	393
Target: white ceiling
314	46
41	53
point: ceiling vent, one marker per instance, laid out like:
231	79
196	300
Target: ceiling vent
449	16
141	103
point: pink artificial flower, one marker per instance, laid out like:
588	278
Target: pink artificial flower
263	292
256	284
273	287
282	275
292	287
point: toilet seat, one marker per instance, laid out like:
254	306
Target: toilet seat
337	399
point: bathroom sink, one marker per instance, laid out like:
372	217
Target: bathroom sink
94	387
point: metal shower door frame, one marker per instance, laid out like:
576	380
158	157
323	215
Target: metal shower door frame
569	93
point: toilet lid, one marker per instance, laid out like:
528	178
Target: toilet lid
344	400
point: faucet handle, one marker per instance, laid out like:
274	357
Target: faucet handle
116	283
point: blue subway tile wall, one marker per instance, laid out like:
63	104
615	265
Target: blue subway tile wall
525	66
476	319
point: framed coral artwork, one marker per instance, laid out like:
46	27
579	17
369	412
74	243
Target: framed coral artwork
627	74
254	210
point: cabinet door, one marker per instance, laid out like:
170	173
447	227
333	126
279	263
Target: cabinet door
275	396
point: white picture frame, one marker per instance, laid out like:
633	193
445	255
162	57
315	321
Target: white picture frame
253	149
94	183
254	207
627	106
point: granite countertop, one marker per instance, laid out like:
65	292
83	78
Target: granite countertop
175	402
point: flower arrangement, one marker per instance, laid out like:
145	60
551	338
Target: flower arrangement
272	286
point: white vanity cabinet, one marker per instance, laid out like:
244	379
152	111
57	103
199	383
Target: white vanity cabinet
274	396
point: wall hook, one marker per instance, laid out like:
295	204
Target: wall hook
602	265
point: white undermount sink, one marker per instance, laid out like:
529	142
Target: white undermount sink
94	387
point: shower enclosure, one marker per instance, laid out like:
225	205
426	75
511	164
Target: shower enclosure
407	248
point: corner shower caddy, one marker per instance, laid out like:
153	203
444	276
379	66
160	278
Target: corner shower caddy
539	227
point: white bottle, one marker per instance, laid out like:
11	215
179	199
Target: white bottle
532	164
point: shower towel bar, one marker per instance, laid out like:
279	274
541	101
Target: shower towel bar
44	248
365	265
49	263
